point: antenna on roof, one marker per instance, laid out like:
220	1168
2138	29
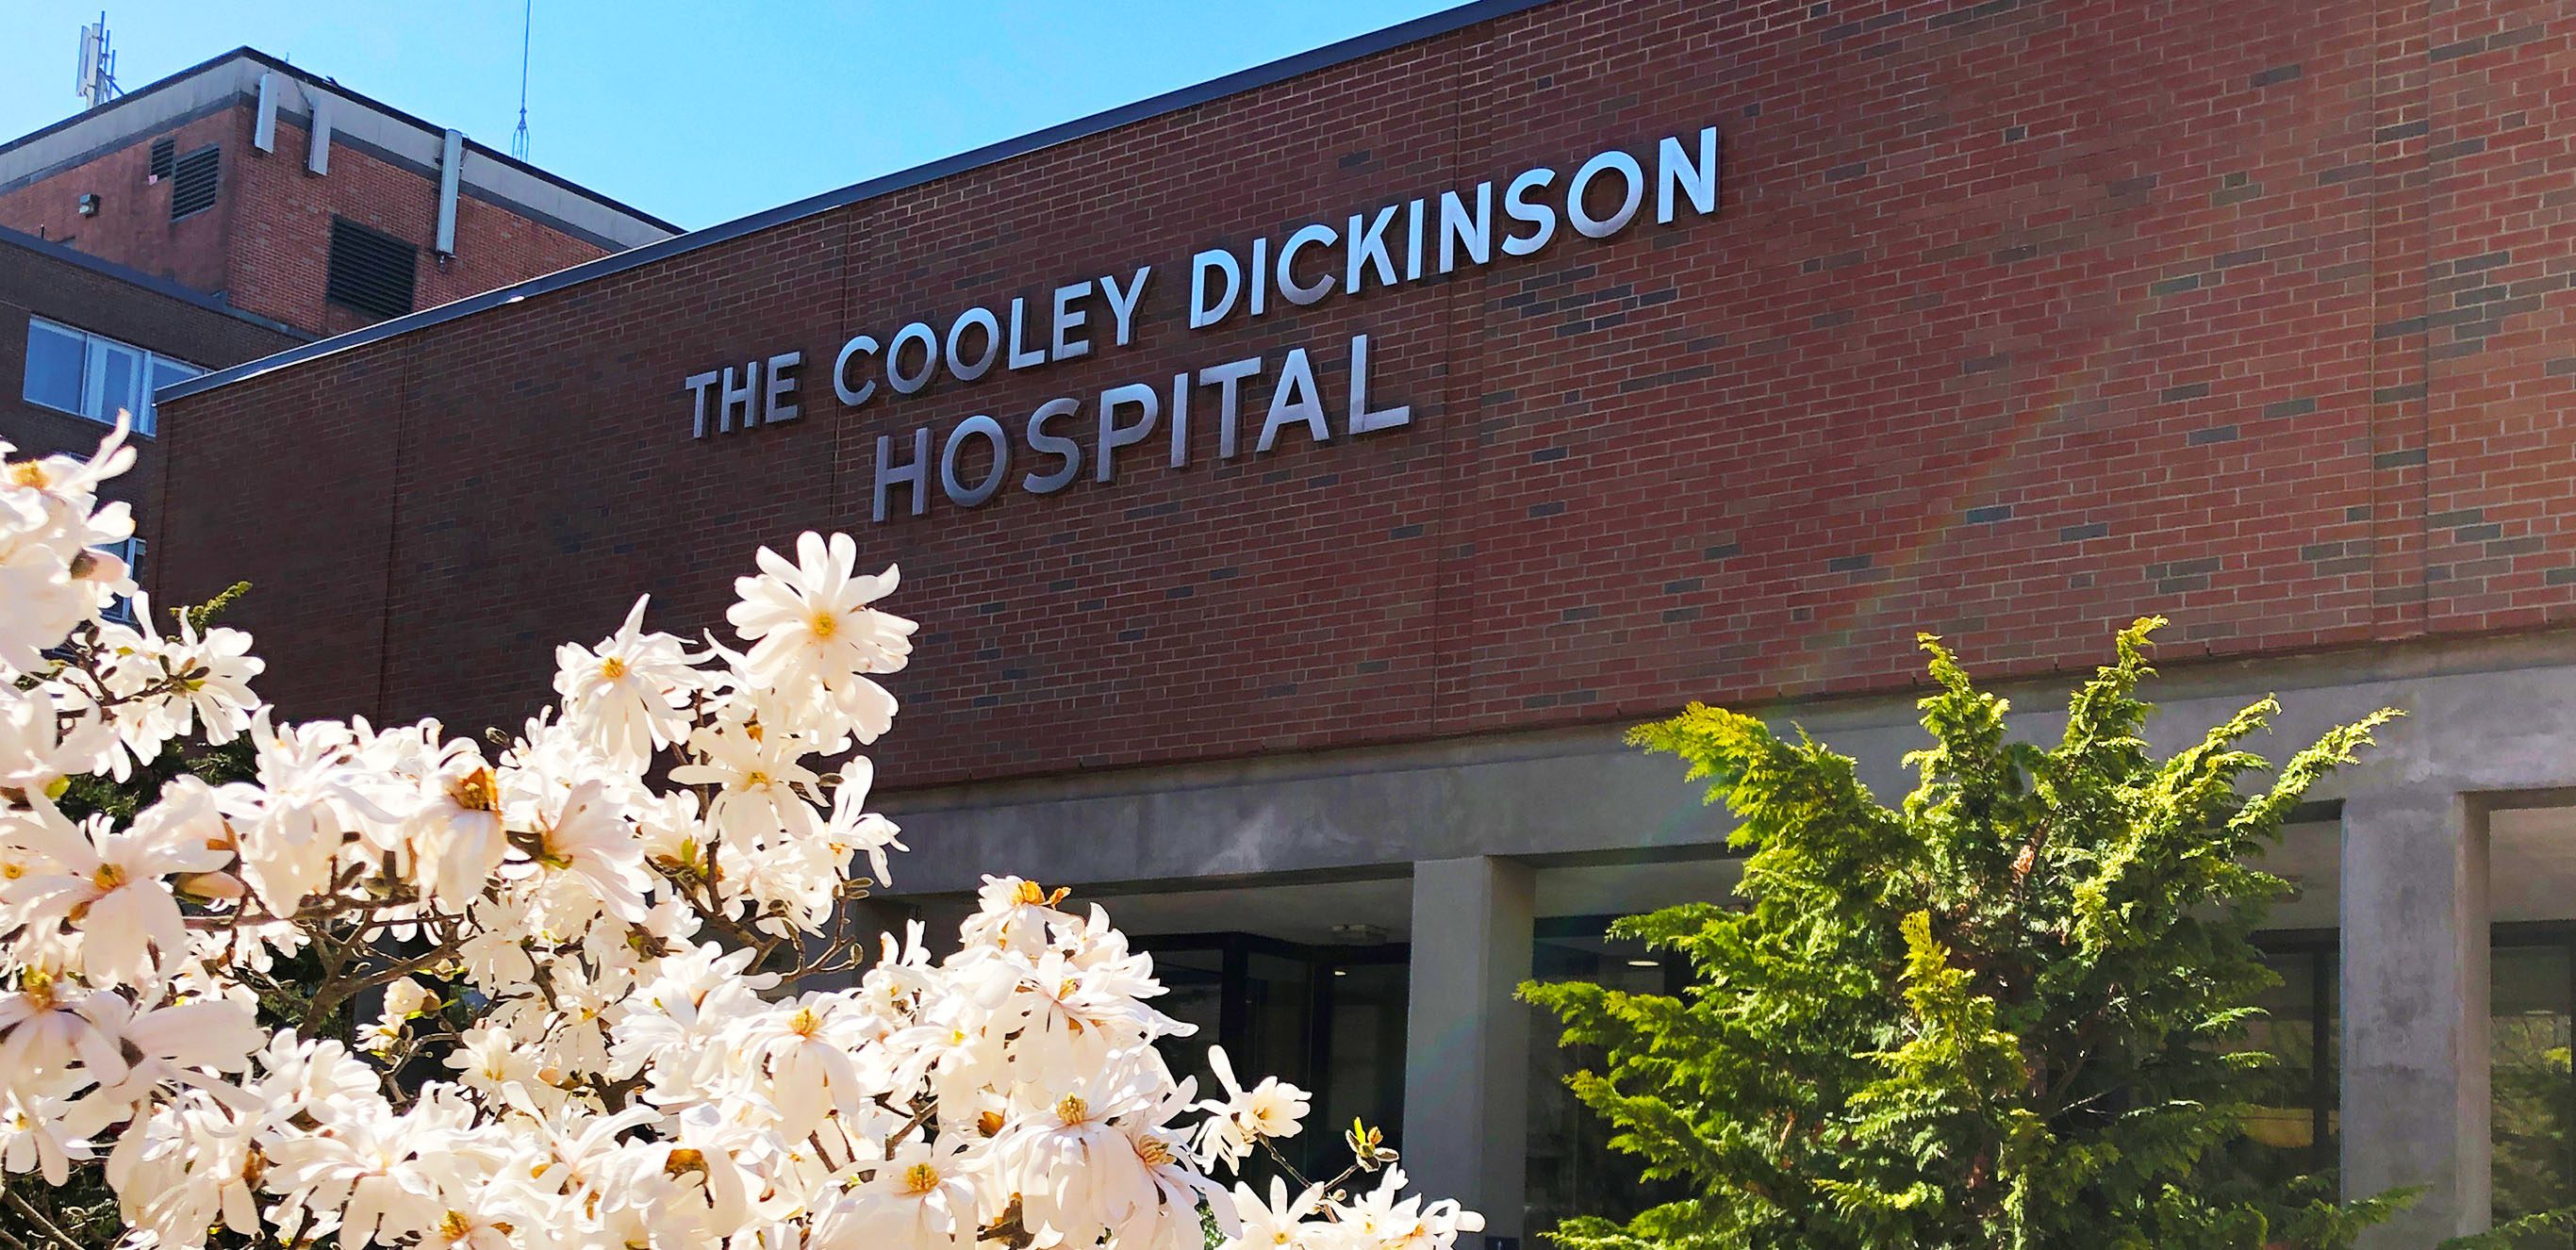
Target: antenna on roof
97	82
527	32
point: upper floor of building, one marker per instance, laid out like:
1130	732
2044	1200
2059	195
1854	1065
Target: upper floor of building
285	195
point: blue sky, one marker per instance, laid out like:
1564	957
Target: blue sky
700	113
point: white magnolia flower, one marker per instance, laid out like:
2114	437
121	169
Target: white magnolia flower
106	883
1013	914
1244	1118
310	799
1278	1224
455	839
809	624
176	1045
922	1197
1169	1220
1077	1170
49	1028
591	841
40	603
757	778
36	755
474	1227
317	1077
630	695
853	829
633	1064
360	1175
1387	1218
812	1052
182	1169
47	1134
187	682
52	575
404	999
488	1060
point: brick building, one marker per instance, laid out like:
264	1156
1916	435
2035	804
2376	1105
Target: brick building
55	304
1302	479
232	210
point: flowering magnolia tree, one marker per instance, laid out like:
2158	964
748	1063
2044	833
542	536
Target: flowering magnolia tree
615	1001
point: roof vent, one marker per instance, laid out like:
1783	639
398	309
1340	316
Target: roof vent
370	271
192	182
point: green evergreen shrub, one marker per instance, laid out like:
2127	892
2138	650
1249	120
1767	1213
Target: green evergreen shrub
2007	1011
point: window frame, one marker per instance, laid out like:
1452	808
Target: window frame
80	375
92	388
98	376
153	362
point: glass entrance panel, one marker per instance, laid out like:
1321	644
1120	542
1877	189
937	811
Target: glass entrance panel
1327	1019
2290	1131
1195	981
1362	1060
1571	1168
2532	1009
1276	993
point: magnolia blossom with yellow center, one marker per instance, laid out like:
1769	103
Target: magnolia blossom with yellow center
920	1179
476	791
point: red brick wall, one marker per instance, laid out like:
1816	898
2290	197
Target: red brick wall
33	283
266	244
282	246
133	226
2019	320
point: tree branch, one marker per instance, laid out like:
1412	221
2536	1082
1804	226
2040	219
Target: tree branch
52	1231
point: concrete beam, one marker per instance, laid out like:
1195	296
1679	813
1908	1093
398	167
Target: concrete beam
2415	1017
2483	716
1372	811
1467	1039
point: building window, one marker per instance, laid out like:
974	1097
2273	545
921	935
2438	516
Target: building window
95	377
370	271
192	182
2295	1111
131	551
1572	1168
2532	1026
1329	1019
54	365
165	157
2531	1030
163	371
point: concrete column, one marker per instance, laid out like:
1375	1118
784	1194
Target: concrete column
2414	1000
1466	1061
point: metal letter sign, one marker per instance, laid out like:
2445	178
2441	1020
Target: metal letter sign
1303	395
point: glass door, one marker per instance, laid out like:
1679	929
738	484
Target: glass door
1327	1019
1572	1169
2532	1012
